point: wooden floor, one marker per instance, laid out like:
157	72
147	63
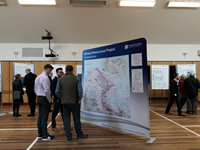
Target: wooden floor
172	133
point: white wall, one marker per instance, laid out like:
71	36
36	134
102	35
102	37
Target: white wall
155	52
159	52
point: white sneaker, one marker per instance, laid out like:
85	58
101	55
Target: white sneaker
49	137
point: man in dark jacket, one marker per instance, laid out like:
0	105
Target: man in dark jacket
29	83
56	100
191	86
174	95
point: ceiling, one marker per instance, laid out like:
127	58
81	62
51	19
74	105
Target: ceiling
99	25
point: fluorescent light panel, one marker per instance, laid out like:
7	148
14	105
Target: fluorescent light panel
137	3
37	2
184	4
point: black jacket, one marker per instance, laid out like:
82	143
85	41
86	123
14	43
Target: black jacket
174	88
29	82
53	87
17	86
191	86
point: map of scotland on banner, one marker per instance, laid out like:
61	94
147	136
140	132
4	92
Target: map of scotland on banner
115	86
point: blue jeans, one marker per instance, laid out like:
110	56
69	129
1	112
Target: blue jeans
75	109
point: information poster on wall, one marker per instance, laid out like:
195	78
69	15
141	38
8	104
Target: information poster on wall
115	87
56	66
160	77
78	70
19	68
186	69
1	77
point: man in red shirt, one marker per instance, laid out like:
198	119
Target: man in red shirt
182	91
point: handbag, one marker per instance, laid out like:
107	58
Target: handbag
16	95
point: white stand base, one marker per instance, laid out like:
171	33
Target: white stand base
82	121
2	114
151	140
10	112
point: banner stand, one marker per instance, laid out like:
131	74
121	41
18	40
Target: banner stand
2	114
151	140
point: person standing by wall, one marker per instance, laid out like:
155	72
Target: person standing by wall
174	95
43	91
191	86
69	90
18	93
56	100
29	83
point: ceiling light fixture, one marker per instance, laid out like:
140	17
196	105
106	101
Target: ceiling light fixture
37	2
184	3
137	3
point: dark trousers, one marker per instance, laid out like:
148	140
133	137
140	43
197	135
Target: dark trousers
192	104
15	109
183	100
49	106
172	99
57	107
75	109
43	104
31	102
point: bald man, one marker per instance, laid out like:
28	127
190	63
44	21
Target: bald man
29	83
191	86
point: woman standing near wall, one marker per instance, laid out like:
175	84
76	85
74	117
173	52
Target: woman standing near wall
18	93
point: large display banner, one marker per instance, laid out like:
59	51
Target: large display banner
1	75
186	69
115	86
56	66
19	68
160	77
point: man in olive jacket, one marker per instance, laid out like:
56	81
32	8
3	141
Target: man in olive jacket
69	90
191	86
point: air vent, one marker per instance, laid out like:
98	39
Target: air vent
32	52
2	2
88	2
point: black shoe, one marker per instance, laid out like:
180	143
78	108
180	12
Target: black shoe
18	115
194	113
181	115
168	113
31	115
14	115
69	139
187	112
83	136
